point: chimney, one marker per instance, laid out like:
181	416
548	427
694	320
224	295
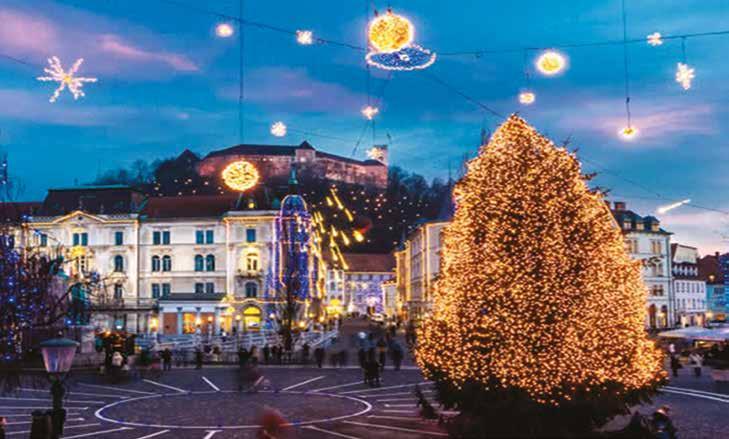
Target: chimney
619	206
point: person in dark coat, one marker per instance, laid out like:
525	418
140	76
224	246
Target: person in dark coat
397	355
243	357
675	365
305	353
167	359
198	358
266	353
382	353
319	356
361	357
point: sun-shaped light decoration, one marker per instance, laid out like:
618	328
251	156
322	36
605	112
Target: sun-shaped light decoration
224	30
65	78
279	129
527	97
551	62
390	32
240	175
654	39
305	37
628	133
370	112
684	75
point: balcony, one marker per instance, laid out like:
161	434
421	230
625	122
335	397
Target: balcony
249	274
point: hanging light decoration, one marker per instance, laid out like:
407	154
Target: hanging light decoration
370	112
412	57
305	37
655	39
240	175
629	132
390	32
279	129
65	79
224	30
527	97
684	75
551	63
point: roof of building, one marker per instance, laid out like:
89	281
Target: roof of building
623	216
111	199
15	211
190	206
710	270
370	262
284	150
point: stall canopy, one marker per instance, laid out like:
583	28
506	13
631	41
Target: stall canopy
698	333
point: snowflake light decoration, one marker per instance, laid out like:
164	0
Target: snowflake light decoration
684	75
370	112
654	39
279	129
305	37
412	57
65	78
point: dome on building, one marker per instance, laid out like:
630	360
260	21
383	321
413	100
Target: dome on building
292	205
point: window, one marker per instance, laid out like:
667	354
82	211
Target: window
631	245
118	263
166	290
199	237
118	238
155	291
156	238
657	290
199	263
155	263
209	263
166	263
251	290
43	240
199	288
118	291
81	239
166	237
252	262
250	235
209	237
210	288
656	247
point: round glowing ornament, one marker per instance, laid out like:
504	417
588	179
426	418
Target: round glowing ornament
527	97
551	63
224	30
240	175
390	32
279	129
628	133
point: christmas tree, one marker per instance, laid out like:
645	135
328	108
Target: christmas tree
537	327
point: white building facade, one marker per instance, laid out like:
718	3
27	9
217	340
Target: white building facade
688	287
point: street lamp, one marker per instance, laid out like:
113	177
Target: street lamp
58	356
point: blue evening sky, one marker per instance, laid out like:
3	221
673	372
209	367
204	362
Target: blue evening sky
167	83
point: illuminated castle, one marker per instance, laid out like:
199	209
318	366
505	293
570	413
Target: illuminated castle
274	162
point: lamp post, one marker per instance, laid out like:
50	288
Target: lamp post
58	356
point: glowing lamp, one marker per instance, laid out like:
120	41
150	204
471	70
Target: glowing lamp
238	318
154	323
629	132
58	355
240	175
370	112
302	324
551	63
654	39
527	97
305	37
279	129
224	30
390	32
210	319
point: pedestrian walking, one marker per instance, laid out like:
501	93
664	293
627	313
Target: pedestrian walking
697	360
198	358
319	356
305	353
397	355
166	359
675	365
266	353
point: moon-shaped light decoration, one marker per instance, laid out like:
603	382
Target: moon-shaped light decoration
240	175
390	32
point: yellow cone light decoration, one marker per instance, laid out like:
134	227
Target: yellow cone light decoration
390	32
536	294
551	63
240	175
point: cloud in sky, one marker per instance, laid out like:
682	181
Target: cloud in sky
293	90
706	230
28	34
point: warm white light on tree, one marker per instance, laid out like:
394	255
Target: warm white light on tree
655	39
224	30
279	129
65	79
684	75
305	37
551	63
370	112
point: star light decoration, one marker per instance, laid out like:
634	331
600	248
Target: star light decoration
655	39
527	97
279	129
65	79
305	37
240	175
551	63
370	112
391	42
684	75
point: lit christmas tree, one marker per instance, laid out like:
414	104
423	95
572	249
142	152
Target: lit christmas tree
537	326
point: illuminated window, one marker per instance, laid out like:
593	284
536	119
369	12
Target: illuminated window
252	262
656	247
